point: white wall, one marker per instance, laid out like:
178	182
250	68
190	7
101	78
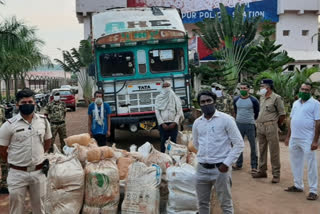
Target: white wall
298	5
88	6
295	24
87	26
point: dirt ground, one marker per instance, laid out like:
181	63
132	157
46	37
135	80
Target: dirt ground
250	196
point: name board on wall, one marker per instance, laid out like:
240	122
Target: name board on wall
196	10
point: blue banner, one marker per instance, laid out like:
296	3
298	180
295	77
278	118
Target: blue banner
265	8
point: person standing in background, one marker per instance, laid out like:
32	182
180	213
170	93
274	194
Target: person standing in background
302	138
271	117
246	109
99	120
169	113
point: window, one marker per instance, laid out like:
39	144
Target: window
302	66
286	32
291	68
305	32
65	92
166	60
117	64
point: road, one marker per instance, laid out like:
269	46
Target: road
250	196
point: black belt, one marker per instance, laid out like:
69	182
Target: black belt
57	123
210	166
26	168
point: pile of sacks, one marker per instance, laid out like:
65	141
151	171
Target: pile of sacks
90	177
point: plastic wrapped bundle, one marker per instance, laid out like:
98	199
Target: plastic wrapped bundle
142	189
102	188
81	139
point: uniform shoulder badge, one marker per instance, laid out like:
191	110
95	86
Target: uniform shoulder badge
42	116
12	120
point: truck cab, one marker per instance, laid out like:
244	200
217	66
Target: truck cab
136	50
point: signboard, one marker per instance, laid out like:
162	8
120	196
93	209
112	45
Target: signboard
196	10
137	36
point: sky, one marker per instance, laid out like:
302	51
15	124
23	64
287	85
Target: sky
55	21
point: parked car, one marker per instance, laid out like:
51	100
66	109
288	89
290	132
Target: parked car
66	96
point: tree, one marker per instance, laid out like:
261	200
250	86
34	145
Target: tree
20	51
287	85
230	37
265	56
77	62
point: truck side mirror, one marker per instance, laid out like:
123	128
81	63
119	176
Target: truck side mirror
92	70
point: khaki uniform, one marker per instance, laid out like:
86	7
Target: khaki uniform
225	104
25	143
3	164
267	130
56	112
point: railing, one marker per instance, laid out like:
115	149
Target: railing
36	83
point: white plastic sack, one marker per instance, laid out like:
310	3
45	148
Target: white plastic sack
176	151
65	184
184	137
102	191
68	150
142	189
182	190
145	149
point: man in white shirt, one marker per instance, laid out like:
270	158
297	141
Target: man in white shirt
219	144
302	138
169	114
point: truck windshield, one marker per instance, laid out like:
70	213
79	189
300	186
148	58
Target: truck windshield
117	64
166	60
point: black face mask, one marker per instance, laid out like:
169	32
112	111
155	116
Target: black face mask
208	109
26	109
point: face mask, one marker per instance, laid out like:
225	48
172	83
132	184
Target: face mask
165	90
304	95
208	109
56	98
98	101
26	109
243	93
213	90
219	93
263	91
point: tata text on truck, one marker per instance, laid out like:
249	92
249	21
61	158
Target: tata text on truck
136	49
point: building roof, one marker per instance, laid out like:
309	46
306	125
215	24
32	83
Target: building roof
305	55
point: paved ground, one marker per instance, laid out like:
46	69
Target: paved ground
250	196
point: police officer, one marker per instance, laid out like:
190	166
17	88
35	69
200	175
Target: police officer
24	139
56	113
224	101
271	116
3	164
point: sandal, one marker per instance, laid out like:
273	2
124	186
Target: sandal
234	168
254	171
312	196
293	189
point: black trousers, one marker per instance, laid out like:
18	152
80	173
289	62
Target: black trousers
165	134
101	139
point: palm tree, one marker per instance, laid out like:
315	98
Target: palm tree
78	62
230	37
20	51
